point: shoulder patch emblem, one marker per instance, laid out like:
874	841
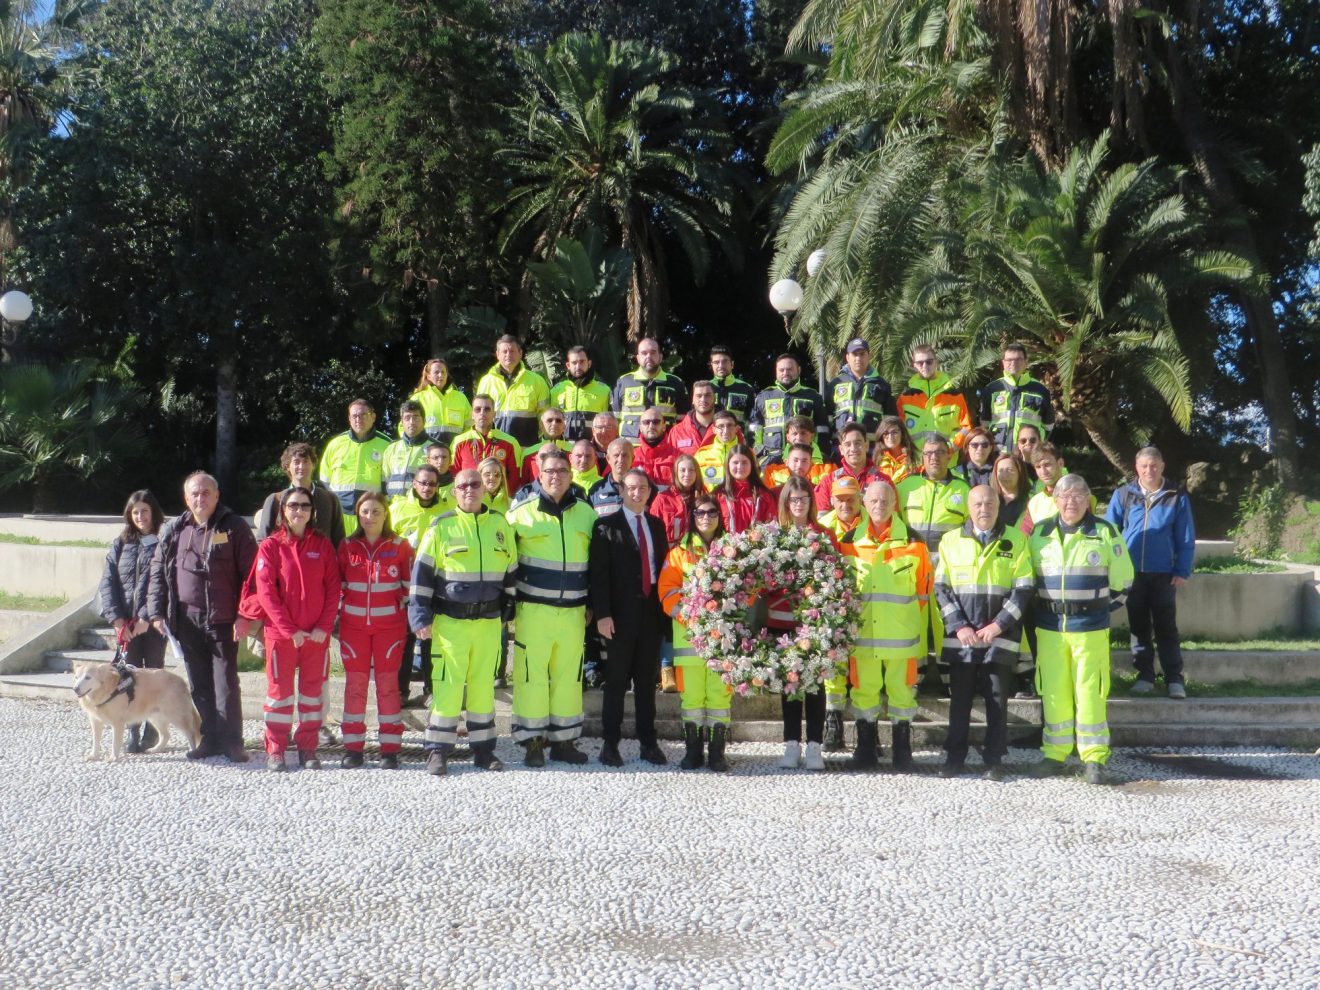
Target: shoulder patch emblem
1093	558
955	499
1118	549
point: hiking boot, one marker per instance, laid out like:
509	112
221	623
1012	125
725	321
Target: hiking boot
275	763
486	758
719	735
1046	767
308	760
1097	774
351	761
535	753
389	761
902	745
692	740
437	763
834	732
567	752
864	756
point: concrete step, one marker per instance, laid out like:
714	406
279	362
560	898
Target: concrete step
1221	666
97	638
63	660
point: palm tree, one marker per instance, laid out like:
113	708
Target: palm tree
605	140
1082	264
62	425
582	291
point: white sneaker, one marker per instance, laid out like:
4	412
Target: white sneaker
792	756
814	761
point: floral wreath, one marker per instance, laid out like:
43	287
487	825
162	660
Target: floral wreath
765	559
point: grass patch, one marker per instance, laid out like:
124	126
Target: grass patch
1122	683
30	603
1226	564
32	541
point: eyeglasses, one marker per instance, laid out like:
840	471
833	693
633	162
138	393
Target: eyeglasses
467	486
799	499
299	506
652	422
1070	497
923	362
558	470
425	484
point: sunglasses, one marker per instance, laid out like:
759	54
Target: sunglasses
706	512
299	506
467	486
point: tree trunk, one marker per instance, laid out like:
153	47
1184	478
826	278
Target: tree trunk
1207	159
437	317
226	417
46	491
1111	440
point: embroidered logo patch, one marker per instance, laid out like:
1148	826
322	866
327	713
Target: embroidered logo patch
1093	558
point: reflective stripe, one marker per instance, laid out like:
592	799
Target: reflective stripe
385	720
472	577
535	590
866	714
897	714
717	713
980	589
377	586
685	651
1093	727
1048	570
481	735
309	699
278	718
553	565
1057	740
1011	608
881	596
1092	740
693	714
887	644
565	728
354	718
1073	594
279	702
1059	726
353	737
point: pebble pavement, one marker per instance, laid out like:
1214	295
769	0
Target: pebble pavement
160	873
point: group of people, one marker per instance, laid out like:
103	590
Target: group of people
561	522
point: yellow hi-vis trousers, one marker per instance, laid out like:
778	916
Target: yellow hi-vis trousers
1072	676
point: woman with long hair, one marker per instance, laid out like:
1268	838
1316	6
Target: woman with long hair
123	594
447	410
375	567
895	454
1013	486
704	698
297	584
978	466
743	497
797	509
495	485
673	506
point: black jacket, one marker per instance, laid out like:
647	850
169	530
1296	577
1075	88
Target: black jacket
127	575
231	550
616	569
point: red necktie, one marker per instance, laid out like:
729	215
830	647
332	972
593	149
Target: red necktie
646	558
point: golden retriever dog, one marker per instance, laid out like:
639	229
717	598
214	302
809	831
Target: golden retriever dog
117	697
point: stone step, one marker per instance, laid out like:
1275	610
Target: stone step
97	638
1221	666
63	660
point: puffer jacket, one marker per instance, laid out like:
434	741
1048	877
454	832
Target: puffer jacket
127	575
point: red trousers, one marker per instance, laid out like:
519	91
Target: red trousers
368	652
309	664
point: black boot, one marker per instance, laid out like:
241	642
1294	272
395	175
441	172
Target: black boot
483	755
902	745
134	742
150	737
719	735
833	732
864	756
535	753
692	738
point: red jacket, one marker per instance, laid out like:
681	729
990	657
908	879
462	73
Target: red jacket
747	506
471	448
671	508
868	474
298	583
686	436
375	580
656	460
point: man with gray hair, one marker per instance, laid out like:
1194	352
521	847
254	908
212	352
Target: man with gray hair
1155	518
202	559
1083	573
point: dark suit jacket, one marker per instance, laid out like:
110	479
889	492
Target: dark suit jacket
616	569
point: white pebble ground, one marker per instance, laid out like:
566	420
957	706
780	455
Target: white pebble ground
160	873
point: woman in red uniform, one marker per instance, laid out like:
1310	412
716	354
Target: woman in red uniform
673	506
297	582
375	566
744	499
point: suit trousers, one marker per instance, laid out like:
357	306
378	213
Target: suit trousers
211	657
990	682
633	656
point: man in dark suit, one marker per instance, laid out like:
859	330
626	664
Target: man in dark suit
627	550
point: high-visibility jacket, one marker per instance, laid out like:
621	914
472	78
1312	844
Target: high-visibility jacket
401	460
932	508
587	480
466	568
868	474
892	625
448	412
635	392
775	406
351	466
890	541
532	464
1082	574
1008	404
735	395
375	580
775	475
410	519
605	497
979	583
895	465
862	400
519	399
580	400
679	563
554	539
687	434
297	582
471	448
841	530
935	406
1041	505
710	462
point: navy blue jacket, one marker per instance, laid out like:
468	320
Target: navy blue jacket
1157	528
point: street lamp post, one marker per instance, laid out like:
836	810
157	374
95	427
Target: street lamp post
15	308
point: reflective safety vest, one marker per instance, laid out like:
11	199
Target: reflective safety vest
448	412
553	543
634	393
410	519
679	563
978	584
519	399
775	406
735	395
935	406
375	582
862	400
710	462
932	508
581	403
466	568
351	467
1082	574
1009	404
471	448
776	475
401	460
894	541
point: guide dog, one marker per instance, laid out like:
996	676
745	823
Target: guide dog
115	696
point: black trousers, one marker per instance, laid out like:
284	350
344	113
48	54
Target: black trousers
211	656
990	682
814	707
147	650
1153	603
633	656
405	668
